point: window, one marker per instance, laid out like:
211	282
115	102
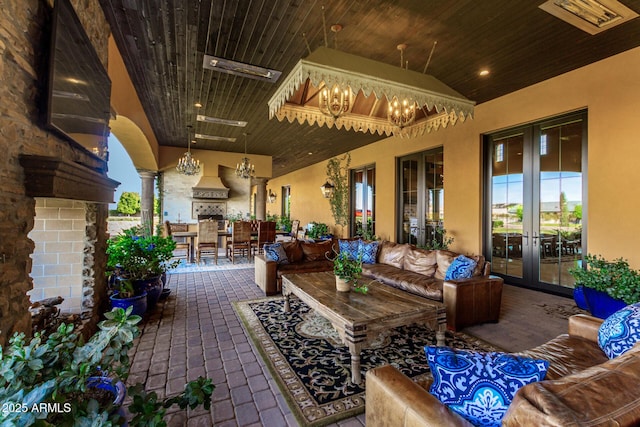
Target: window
363	193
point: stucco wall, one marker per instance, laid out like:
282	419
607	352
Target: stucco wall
609	89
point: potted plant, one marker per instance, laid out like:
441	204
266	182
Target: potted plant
318	230
58	380
142	260
607	285
348	271
124	296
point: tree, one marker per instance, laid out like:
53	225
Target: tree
564	210
129	203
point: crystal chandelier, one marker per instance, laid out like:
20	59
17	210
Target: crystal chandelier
187	165
401	113
335	101
245	169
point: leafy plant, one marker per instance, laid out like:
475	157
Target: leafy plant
139	257
317	230
615	277
349	270
439	240
284	223
45	380
337	174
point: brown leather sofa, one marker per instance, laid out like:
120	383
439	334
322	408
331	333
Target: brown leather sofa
582	387
422	272
303	257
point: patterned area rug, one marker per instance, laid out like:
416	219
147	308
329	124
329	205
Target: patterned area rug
313	369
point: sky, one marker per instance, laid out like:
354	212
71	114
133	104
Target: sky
121	169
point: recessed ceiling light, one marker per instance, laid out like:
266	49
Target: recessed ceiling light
483	72
215	138
197	105
216	120
310	153
240	69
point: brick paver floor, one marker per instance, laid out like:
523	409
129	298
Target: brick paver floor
197	332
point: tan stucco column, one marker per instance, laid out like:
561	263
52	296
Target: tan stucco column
261	198
146	198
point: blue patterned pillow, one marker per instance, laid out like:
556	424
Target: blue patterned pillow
369	252
620	331
350	247
461	268
480	386
275	252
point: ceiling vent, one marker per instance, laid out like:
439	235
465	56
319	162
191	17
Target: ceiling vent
240	69
592	16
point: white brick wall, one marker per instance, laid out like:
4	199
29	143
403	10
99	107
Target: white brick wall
58	234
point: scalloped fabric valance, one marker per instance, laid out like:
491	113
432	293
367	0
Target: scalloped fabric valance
373	84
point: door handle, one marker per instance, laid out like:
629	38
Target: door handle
525	238
535	237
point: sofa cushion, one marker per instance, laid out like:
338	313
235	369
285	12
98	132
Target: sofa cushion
350	247
620	331
316	251
480	386
603	395
415	283
461	268
480	261
421	261
304	267
392	254
275	252
444	259
369	252
293	250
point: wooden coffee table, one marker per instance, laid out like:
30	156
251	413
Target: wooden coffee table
360	317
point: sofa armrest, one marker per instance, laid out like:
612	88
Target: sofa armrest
265	274
584	326
472	301
393	399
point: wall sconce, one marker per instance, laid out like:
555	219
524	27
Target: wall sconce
271	197
327	189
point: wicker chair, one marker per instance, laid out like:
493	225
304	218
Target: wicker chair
207	240
182	244
240	240
266	235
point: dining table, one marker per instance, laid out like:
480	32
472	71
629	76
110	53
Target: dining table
191	235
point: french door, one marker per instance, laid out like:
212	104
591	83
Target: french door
363	201
421	202
536	198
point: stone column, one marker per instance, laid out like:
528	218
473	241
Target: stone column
261	198
146	199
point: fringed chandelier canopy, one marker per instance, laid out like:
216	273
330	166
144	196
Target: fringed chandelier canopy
334	88
187	165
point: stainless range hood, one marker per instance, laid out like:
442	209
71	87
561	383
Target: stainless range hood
210	187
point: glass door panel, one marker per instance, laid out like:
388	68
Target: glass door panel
560	207
507	199
409	201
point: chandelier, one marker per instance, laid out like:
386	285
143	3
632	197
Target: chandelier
245	169
401	113
335	101
187	165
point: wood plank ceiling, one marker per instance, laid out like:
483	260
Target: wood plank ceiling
163	43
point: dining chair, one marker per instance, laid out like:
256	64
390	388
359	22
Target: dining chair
266	235
295	227
207	240
181	243
240	240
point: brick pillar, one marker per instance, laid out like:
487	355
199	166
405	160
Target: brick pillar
146	199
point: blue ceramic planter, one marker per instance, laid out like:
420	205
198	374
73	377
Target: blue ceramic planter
139	303
578	297
601	304
152	286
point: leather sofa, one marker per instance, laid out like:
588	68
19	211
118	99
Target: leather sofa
422	272
582	387
302	256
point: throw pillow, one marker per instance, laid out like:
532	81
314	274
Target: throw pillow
461	268
369	252
275	252
350	247
480	386
620	331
